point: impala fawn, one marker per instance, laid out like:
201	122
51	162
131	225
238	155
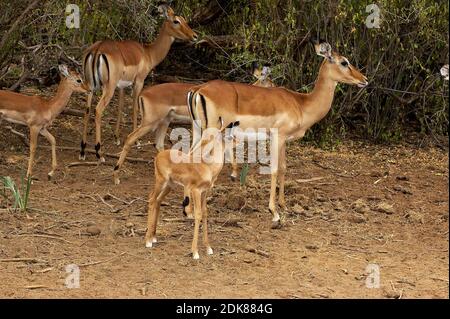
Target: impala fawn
38	113
197	178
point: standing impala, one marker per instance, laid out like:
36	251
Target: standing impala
173	167
38	113
289	112
110	64
163	103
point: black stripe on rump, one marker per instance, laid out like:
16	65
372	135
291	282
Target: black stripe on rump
203	100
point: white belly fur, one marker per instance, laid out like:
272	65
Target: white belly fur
123	84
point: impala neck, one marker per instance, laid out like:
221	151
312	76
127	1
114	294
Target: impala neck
318	102
159	49
216	155
60	100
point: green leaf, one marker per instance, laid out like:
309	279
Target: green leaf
244	173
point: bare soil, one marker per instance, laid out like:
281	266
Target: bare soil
366	204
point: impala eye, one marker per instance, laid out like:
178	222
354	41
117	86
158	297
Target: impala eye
79	81
176	22
344	64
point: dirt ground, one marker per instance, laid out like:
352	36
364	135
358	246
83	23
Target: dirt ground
366	204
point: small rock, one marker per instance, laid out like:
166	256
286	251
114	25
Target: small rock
384	207
402	178
392	294
297	209
376	174
339	207
129	225
360	206
357	219
414	217
403	190
93	230
321	199
311	247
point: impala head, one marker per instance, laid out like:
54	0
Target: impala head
176	25
262	74
338	67
444	72
74	79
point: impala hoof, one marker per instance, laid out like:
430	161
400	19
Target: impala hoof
116	181
117	142
209	251
50	176
82	157
149	243
101	159
195	255
233	178
276	224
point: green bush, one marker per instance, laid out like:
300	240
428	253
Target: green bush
401	59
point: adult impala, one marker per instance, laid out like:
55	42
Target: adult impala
163	103
38	113
118	64
289	112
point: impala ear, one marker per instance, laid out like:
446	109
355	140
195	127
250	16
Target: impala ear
64	70
266	71
444	72
166	11
256	71
323	49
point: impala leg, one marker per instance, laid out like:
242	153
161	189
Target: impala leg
197	199
108	93
281	179
209	250
34	132
231	154
160	135
155	198
275	150
119	116
187	203
51	139
131	139
87	114
138	85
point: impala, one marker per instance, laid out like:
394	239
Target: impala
110	64
38	113
289	112
163	103
196	178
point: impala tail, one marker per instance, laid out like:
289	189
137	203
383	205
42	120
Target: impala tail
197	108
96	69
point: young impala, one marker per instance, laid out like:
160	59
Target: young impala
289	112
163	103
173	167
38	113
110	64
